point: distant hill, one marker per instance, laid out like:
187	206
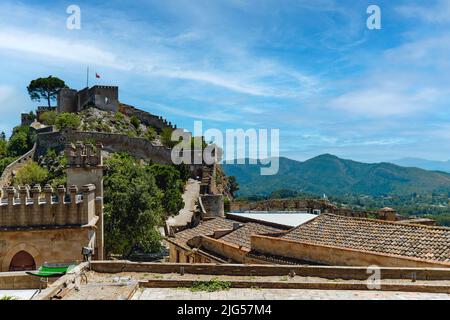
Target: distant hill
334	176
424	164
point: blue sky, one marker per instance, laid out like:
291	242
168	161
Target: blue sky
310	68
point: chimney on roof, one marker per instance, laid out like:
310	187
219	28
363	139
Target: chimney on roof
388	214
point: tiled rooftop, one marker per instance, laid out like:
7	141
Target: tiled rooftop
241	236
204	228
422	242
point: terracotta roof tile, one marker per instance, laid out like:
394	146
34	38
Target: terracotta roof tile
241	236
423	242
204	228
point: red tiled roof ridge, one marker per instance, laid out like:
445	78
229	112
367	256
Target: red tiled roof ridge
313	243
395	223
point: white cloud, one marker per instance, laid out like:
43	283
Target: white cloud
54	47
381	101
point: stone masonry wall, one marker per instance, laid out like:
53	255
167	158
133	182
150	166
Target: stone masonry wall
138	147
51	245
146	118
30	210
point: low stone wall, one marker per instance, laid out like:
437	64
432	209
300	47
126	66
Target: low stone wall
333	255
281	205
308	285
19	281
308	205
64	284
328	272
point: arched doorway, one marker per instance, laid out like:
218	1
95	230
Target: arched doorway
22	261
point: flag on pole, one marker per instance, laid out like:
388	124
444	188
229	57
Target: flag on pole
97	75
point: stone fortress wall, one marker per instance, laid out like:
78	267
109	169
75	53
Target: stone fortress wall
103	97
146	118
138	147
29	209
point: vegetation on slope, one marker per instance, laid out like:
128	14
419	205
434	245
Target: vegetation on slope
31	174
334	176
21	141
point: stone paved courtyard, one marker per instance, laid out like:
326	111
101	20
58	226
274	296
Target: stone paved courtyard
279	294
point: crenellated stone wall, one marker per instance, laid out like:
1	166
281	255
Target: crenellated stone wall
146	118
27	207
103	97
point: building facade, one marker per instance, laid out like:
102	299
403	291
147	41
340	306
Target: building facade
46	225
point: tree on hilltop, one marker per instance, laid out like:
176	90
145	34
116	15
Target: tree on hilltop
45	89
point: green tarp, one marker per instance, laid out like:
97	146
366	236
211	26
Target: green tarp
52	270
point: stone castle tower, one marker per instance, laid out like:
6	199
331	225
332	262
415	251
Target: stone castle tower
40	225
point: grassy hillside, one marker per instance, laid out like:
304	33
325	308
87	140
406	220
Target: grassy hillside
334	176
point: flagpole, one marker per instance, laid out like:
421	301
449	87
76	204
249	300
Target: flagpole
87	77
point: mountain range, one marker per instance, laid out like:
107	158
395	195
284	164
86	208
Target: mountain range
424	164
328	174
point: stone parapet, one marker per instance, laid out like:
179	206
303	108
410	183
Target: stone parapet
36	207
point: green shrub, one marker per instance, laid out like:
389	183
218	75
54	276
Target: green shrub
150	134
67	121
4	162
3	148
118	116
21	141
31	174
48	118
166	137
135	121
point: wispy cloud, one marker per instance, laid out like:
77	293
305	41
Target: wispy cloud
433	13
385	101
59	48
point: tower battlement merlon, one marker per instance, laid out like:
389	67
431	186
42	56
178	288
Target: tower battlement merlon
83	155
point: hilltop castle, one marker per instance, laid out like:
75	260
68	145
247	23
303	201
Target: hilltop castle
102	97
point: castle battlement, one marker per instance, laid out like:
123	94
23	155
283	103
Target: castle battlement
84	155
105	87
39	207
